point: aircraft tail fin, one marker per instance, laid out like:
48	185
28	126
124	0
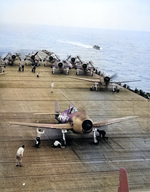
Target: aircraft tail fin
71	105
56	108
123	181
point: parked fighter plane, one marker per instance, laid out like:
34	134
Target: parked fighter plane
78	122
34	59
2	66
50	57
84	66
61	65
56	63
104	80
10	58
74	61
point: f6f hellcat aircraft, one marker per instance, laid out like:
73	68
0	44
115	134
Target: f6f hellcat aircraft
84	66
78	122
104	80
57	64
10	58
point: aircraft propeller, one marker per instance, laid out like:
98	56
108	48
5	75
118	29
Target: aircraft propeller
107	79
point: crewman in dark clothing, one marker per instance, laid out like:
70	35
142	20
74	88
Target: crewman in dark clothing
34	67
19	69
22	68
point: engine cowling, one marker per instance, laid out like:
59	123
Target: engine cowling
13	57
87	126
84	66
107	80
72	59
60	65
51	58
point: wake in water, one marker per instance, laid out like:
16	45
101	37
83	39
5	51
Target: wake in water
76	43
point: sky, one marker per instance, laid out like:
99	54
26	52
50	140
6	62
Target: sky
104	14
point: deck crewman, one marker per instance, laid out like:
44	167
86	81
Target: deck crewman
52	86
19	156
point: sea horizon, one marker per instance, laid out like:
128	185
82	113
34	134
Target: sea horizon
124	52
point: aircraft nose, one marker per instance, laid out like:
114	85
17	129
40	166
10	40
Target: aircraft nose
73	59
87	126
60	65
84	66
50	58
107	79
13	57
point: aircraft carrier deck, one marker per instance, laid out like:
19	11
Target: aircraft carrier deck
82	166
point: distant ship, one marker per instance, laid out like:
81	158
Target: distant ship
96	47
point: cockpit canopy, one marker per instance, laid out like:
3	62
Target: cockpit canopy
72	110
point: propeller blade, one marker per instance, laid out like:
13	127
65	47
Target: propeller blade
113	76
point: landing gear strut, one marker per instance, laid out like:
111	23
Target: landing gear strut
64	139
94	134
37	142
94	87
116	89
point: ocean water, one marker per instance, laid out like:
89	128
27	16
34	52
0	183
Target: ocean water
126	53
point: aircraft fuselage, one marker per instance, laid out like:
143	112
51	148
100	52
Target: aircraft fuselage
79	121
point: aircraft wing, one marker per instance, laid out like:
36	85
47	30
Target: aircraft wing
85	79
46	126
67	66
124	81
112	121
45	113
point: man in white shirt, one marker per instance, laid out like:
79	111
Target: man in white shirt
19	156
52	85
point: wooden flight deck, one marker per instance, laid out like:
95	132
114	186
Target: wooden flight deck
82	166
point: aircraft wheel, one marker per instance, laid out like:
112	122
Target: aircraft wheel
37	142
91	88
96	143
